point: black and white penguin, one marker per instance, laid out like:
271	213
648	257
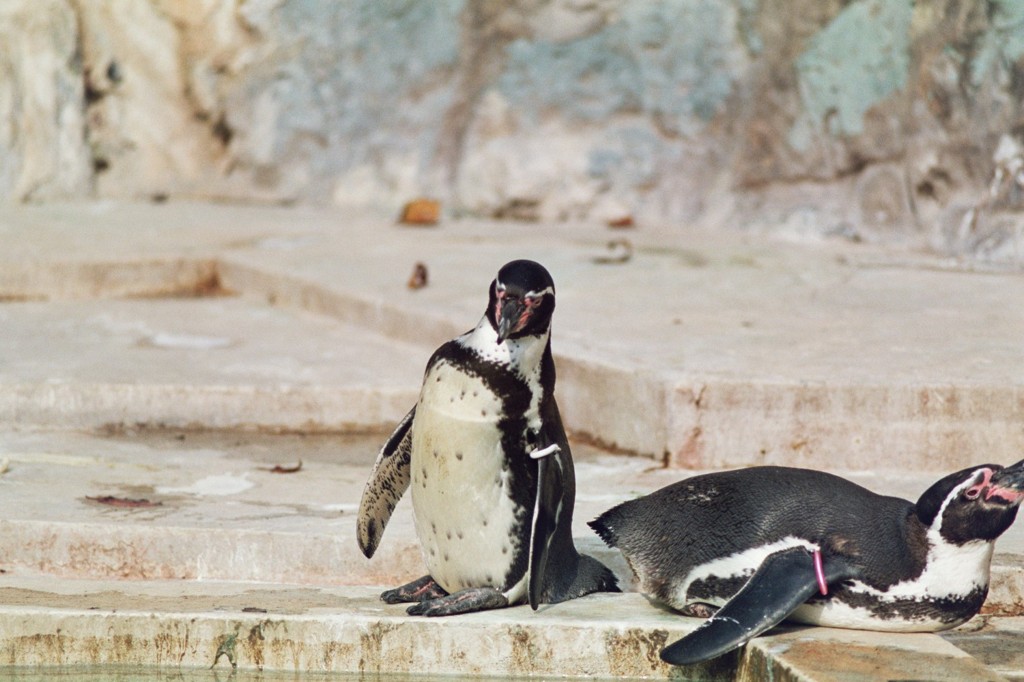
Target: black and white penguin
758	545
491	472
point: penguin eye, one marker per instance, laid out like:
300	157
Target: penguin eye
532	300
973	492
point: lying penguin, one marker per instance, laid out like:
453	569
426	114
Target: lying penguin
755	546
486	455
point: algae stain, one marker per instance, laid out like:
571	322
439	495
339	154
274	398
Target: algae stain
371	645
1003	43
855	62
635	652
226	648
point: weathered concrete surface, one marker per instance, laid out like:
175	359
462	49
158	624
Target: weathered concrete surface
218	362
826	655
216	512
335	629
997	642
281	627
738	351
717	351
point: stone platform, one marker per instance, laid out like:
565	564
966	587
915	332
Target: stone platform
159	362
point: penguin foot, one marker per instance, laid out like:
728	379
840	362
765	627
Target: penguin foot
698	610
464	601
422	589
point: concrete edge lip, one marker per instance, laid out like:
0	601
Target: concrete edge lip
693	420
345	629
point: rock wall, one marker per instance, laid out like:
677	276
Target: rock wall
885	120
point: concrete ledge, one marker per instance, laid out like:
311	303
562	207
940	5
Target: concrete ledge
829	655
714	350
177	624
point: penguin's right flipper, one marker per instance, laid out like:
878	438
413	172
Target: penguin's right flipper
387	483
784	581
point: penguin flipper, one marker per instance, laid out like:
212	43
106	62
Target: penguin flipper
550	482
388	481
784	581
551	538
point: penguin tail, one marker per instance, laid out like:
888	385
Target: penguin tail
595	576
604	526
590	576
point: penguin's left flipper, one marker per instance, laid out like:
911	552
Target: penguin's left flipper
784	581
387	483
557	571
550	483
463	601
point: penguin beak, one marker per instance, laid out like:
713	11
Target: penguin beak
511	312
1008	484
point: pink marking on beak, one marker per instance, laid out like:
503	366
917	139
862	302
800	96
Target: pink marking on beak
1008	494
819	573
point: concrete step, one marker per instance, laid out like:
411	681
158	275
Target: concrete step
713	350
216	511
130	330
181	625
222	362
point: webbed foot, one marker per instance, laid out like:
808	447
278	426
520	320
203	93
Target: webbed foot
463	601
422	589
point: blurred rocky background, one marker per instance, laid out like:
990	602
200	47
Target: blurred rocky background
892	121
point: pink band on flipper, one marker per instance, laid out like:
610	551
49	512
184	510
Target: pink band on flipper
819	573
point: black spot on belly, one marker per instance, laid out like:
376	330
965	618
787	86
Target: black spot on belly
458	534
483	413
504	550
449	534
458	456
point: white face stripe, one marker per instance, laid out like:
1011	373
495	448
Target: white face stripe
933	530
500	287
543	292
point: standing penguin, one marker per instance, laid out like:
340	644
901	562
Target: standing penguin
754	546
486	455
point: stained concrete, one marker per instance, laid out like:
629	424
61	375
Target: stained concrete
738	351
348	630
129	332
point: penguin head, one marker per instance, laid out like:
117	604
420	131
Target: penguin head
979	503
522	300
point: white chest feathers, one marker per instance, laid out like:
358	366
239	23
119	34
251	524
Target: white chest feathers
464	516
